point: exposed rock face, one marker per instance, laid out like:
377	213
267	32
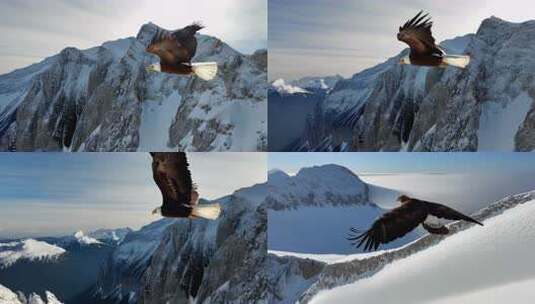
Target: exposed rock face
329	185
219	261
103	99
390	107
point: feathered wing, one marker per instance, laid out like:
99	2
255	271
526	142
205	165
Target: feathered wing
417	34
172	175
390	226
186	38
448	213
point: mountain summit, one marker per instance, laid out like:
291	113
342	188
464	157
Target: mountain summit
103	99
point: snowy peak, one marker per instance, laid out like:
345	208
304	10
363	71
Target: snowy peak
284	88
84	239
326	83
103	99
30	250
316	186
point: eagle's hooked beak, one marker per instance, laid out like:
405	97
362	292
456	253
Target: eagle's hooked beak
157	211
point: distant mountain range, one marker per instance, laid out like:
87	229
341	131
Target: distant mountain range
390	107
65	266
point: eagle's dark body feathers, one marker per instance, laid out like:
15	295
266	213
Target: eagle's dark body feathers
403	219
176	49
172	175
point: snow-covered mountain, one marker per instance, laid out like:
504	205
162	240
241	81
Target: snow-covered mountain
174	261
28	250
103	99
328	185
9	297
283	88
66	266
500	251
317	83
391	107
318	204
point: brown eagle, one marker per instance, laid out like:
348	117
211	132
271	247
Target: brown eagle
180	198
405	218
176	49
423	50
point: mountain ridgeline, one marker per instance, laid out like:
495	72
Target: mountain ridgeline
103	99
390	107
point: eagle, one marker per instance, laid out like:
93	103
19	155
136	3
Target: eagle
180	197
176	49
405	218
423	50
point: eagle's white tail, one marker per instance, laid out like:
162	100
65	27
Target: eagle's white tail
207	211
459	61
205	70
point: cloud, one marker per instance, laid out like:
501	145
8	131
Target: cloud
33	30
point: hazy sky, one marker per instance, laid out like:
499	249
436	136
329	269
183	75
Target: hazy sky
54	194
322	37
32	30
467	181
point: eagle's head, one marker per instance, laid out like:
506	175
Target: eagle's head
403	199
405	60
157	211
156	67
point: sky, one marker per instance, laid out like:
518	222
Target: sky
466	181
32	30
49	194
322	37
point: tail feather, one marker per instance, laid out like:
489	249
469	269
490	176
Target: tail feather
205	70
207	211
459	61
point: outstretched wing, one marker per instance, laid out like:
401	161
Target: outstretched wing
171	173
448	213
390	226
417	34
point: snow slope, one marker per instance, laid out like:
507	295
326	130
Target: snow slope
9	297
473	265
12	252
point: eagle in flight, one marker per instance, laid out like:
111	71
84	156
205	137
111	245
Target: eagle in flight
176	49
423	50
180	198
405	218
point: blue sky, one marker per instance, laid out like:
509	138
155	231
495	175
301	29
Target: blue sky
322	37
32	30
55	193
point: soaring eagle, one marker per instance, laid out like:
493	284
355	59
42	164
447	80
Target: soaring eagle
176	49
424	52
180	198
405	218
